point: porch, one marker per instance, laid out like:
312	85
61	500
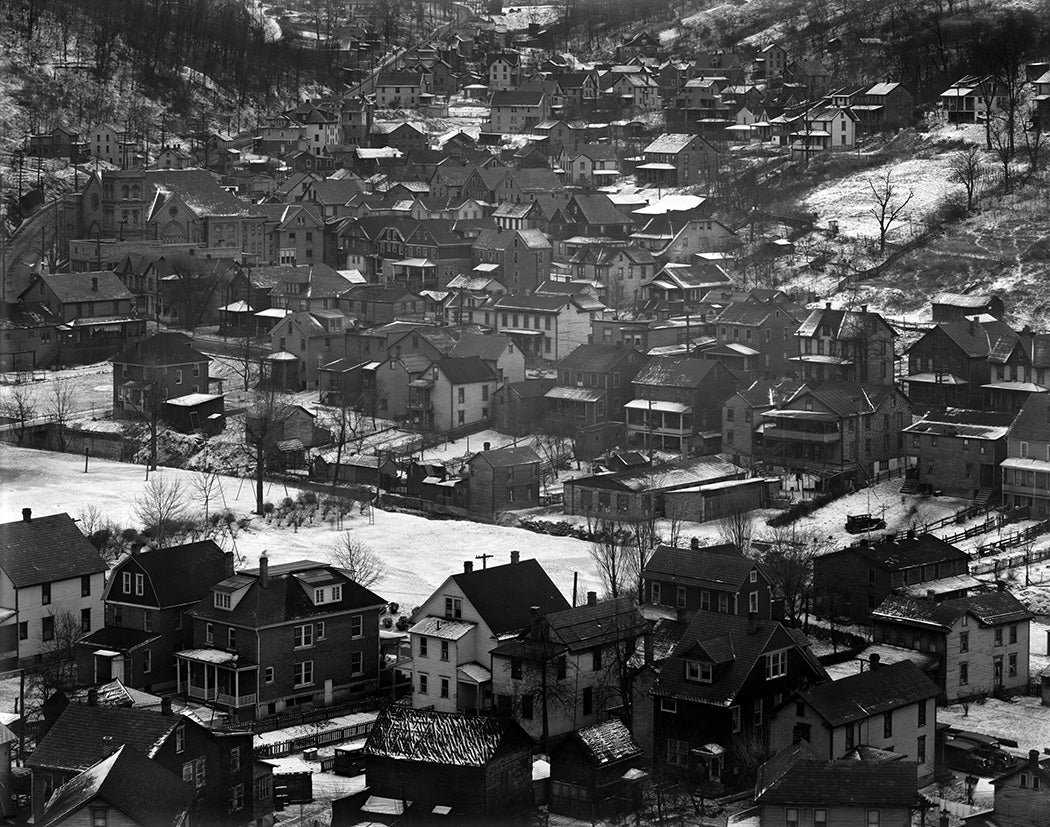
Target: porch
220	678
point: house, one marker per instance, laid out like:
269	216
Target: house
679	284
772	60
377	305
30	336
1021	793
595	773
795	787
890	707
678	160
742	415
461	765
163	366
503	479
955	307
97	307
836	431
267	639
504	71
712	578
714	690
593	388
591	215
1018	369
458	626
516	111
399	89
980	641
853	581
591	165
1027	465
639	494
51	581
642	44
125	788
949	364
885	106
58	143
569	669
547	326
958	452
973	99
217	764
622	270
823	128
677	404
522	256
454	392
845	346
114	145
146	600
519	407
314	338
497	350
765	328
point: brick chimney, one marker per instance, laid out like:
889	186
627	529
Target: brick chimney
515	557
228	563
264	571
27	515
92	697
873	661
694	543
165	706
1033	759
468	567
592	598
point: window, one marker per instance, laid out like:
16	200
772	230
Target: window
964	673
231	638
209	633
147	661
444	650
526	707
596	660
318	596
887	724
45	594
47	628
964	641
1023	781
677	752
303	673
180	739
654	590
776	664
223	600
922	713
193	772
140	581
561	667
147	621
423	647
820	818
461	395
320	630
752	576
444	687
453	608
178	377
752	602
85	585
791	817
337	592
268	675
125	582
515	669
998	635
85	620
759	715
680	597
668	705
23	630
920	749
734	714
99	818
723	603
356	626
1011	665
705	600
874	818
588	701
1013	633
696	671
303	636
236	797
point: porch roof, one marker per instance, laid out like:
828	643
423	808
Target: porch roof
216	657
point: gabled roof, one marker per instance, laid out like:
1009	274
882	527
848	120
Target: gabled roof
46	549
26	316
870	693
721	567
598	358
749	313
161	349
906	552
199	190
77	738
1033	419
976	339
676	372
670	143
94	286
507	457
465	370
128	781
445	738
588	626
845	398
180	574
598	209
990	608
517	97
488	347
844	324
608	742
503	595
794	776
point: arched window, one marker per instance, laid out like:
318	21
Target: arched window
124	192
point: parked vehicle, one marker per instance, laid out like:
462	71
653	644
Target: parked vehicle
859	523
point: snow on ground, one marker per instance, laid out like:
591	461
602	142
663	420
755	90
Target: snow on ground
848	200
518	18
1022	719
418	553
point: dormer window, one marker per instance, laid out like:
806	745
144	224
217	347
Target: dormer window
223	600
337	593
319	596
697	671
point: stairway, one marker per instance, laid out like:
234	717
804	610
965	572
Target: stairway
983	498
910	486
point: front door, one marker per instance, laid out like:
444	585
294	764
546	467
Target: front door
997	679
987	475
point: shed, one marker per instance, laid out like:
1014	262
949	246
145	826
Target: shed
196	412
702	503
595	773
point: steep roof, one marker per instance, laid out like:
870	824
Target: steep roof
77	738
446	738
670	143
976	339
160	349
588	626
906	552
94	286
199	189
598	358
130	782
598	208
846	398
182	574
870	693
46	549
504	594
464	370
675	371
749	313
844	324
26	316
488	347
608	742
721	567
1033	419
517	97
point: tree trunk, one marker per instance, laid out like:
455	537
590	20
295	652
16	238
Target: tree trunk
259	478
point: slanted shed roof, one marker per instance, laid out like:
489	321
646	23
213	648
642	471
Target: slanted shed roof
487	347
676	372
128	781
46	549
598	358
446	738
587	626
870	693
503	595
465	370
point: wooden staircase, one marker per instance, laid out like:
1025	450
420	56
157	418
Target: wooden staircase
910	486
983	498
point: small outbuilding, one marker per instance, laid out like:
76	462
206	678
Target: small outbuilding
595	773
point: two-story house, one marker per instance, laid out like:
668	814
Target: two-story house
30	336
458	626
503	479
1018	369
594	383
522	256
891	708
164	366
853	581
569	668
709	578
677	404
454	392
845	345
497	350
756	338
1026	469
146	600
742	416
547	326
1022	793
981	641
517	110
715	689
677	160
958	452
267	639
51	581
622	270
591	165
315	338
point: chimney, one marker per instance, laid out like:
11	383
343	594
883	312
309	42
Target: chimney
92	697
592	598
694	543
1033	759
27	515
827	305
468	567
943	821
228	564
165	706
1000	586
751	625
486	445
515	557
863	308
536	621
94	284
264	571
873	661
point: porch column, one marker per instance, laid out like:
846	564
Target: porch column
236	686
205	670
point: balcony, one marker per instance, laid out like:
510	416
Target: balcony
234	701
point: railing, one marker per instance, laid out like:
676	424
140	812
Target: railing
235	701
202	694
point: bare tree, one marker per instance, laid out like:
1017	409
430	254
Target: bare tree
360	562
60	407
56	670
612	554
206	485
675	511
789	562
264	426
346	425
736	529
966	167
20	406
1003	146
161	508
1034	137
888	205
244	362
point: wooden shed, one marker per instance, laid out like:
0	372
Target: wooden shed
196	412
595	773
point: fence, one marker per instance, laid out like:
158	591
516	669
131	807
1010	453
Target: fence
959	516
1014	538
335	734
973	531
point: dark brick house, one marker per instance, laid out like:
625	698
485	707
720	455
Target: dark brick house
958	452
755	337
594	384
164	366
146	599
712	578
269	638
475	765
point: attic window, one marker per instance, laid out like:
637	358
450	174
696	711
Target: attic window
697	671
223	601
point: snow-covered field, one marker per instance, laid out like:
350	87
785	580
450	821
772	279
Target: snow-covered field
1022	719
518	18
418	553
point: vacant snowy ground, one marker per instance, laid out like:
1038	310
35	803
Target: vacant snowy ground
1022	719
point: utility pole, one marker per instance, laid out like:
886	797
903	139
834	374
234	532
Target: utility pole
484	558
